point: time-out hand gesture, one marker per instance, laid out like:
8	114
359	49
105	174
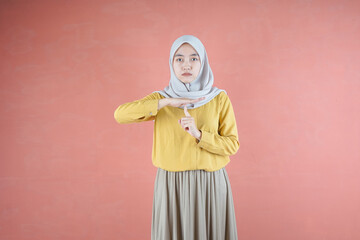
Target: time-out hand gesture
189	125
177	102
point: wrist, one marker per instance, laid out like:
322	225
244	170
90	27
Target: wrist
162	103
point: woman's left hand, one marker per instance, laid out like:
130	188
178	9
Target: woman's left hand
188	124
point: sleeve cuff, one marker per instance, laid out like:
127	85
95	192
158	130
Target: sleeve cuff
205	139
151	106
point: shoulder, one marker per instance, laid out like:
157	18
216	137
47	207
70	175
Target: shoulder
153	96
223	94
223	97
224	100
220	96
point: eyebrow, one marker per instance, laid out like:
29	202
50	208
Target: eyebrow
179	55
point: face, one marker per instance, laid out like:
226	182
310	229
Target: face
186	63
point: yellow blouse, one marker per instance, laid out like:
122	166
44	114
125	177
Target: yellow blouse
176	150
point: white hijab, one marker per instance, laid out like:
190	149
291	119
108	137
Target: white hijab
202	86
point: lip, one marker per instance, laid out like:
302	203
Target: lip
186	74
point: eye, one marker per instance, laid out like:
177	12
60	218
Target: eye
195	59
178	59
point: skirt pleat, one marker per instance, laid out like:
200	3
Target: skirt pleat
193	205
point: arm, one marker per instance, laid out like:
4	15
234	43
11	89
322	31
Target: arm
225	142
144	109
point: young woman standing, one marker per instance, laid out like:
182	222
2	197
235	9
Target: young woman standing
195	132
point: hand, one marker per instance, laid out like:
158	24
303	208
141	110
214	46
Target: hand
188	124
177	102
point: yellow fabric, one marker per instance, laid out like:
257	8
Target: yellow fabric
176	150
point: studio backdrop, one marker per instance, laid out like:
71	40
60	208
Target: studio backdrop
69	171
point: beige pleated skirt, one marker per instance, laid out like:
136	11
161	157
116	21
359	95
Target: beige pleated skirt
193	205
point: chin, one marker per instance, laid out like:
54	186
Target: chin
187	80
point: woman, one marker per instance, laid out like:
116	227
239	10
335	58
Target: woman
195	132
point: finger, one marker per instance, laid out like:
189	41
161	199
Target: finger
187	120
183	121
186	111
198	99
181	124
185	126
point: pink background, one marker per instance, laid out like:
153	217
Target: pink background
291	69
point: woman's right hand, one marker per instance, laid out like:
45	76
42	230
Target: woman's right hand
177	102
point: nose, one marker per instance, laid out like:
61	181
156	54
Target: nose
187	65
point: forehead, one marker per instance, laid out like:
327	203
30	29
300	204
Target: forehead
186	47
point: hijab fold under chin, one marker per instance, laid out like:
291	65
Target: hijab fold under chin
202	86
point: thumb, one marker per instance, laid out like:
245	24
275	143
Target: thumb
186	112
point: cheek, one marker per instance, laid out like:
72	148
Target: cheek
198	66
175	68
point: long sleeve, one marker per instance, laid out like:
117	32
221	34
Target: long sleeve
144	109
225	142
